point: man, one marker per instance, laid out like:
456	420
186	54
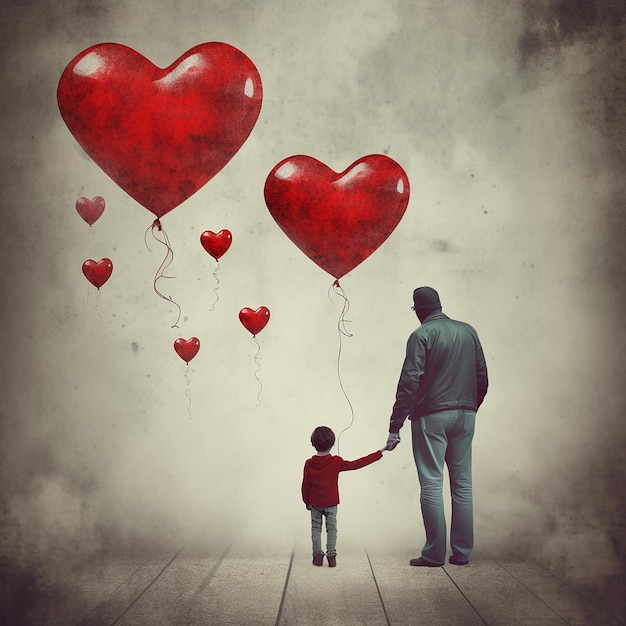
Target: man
442	384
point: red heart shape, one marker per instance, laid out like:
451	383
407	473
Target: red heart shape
187	348
254	321
97	273
90	210
160	134
337	219
216	244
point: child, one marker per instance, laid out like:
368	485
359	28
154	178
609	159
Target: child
320	490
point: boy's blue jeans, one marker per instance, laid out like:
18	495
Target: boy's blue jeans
330	512
438	438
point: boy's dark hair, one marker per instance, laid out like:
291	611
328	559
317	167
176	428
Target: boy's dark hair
323	438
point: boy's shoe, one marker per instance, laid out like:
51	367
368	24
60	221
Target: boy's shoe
457	561
332	560
318	558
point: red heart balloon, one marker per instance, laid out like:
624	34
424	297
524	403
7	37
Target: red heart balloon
97	273
337	219
160	134
187	348
254	321
90	210
216	244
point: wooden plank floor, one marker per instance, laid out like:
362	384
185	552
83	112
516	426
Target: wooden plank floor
185	586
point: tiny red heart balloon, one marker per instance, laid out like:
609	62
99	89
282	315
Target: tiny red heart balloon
97	273
90	210
254	321
216	244
337	219
187	348
160	134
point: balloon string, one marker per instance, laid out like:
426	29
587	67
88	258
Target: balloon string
217	287
188	390
342	332
167	261
341	324
257	361
98	304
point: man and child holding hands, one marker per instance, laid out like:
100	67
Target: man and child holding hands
442	384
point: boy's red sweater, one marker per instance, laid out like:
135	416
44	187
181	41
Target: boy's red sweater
320	482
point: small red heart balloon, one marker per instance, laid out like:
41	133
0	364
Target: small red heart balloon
90	210
160	134
216	244
97	273
187	348
337	219
254	321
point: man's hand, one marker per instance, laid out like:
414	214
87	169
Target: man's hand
392	441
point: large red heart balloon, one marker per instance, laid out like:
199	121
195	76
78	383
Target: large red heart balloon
187	348
90	210
216	244
337	219
160	134
97	273
254	321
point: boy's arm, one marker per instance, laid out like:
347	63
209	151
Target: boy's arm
362	462
306	486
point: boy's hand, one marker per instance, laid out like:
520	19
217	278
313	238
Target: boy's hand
392	441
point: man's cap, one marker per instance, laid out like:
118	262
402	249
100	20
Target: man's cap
426	298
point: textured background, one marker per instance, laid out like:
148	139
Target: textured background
509	121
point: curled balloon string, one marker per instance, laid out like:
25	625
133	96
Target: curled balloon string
217	287
257	361
155	229
188	390
342	332
341	324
